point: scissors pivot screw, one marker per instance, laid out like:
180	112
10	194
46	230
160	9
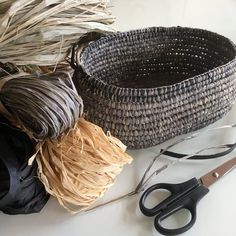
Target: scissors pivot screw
216	175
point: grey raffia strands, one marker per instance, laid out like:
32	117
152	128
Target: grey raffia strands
45	106
37	33
149	85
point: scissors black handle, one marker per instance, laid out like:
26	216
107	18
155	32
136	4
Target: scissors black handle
183	196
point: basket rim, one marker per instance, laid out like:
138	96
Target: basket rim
133	92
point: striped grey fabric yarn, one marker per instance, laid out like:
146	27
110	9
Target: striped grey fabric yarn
148	85
45	105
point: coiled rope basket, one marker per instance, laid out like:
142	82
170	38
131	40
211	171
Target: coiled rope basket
146	86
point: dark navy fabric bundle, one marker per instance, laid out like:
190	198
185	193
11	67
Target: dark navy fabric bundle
21	192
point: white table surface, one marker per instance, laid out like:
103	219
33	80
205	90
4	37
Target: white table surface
216	211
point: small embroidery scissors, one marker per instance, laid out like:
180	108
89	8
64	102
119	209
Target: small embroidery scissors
183	196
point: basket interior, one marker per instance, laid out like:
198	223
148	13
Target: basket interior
155	57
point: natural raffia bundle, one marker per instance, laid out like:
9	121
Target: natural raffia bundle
80	167
40	32
45	106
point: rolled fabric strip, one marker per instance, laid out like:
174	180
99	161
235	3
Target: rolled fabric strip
21	192
44	106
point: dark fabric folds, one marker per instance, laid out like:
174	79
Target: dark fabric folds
21	192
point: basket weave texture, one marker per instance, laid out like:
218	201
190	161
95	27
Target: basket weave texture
148	85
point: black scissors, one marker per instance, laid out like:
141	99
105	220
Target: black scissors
183	196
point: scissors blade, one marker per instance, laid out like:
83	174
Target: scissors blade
212	176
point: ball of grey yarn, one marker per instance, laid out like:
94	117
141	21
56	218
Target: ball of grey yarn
46	105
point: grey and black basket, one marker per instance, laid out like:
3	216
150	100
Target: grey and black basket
146	86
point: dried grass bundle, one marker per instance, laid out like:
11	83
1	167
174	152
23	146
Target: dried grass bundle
80	167
45	106
40	32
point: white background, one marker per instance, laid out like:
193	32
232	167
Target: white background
216	211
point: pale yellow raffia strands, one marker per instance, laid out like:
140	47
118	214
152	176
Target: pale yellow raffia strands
41	32
79	168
